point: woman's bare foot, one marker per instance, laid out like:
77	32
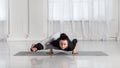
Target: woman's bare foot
33	49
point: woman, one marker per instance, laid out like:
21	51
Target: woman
57	41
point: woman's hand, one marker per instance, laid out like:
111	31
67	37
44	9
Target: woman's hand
74	52
50	52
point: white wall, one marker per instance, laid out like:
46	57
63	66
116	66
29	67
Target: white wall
28	20
37	19
119	19
2	30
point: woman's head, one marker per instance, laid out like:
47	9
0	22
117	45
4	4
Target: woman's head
63	43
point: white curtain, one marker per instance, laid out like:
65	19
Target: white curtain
3	18
84	19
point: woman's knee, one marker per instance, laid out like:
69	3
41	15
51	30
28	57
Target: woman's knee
75	41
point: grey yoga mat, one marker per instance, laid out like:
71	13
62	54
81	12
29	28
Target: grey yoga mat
58	53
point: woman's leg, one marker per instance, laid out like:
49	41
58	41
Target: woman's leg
74	41
36	47
51	38
45	44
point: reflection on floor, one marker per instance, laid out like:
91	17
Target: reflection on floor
112	48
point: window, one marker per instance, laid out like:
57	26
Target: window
79	9
3	18
3	10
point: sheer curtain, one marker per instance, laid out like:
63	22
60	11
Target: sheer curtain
3	18
84	19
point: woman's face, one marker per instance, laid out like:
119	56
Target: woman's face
63	44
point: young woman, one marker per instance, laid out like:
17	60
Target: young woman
57	41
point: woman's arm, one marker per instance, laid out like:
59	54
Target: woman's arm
74	51
50	52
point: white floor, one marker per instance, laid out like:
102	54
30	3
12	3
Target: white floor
112	48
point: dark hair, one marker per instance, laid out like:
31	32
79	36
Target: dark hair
63	36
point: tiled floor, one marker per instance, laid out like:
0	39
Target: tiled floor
112	48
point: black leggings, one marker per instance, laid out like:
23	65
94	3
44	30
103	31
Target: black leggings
74	41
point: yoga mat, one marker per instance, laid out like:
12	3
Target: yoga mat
44	53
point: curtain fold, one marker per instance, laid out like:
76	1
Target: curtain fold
3	18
